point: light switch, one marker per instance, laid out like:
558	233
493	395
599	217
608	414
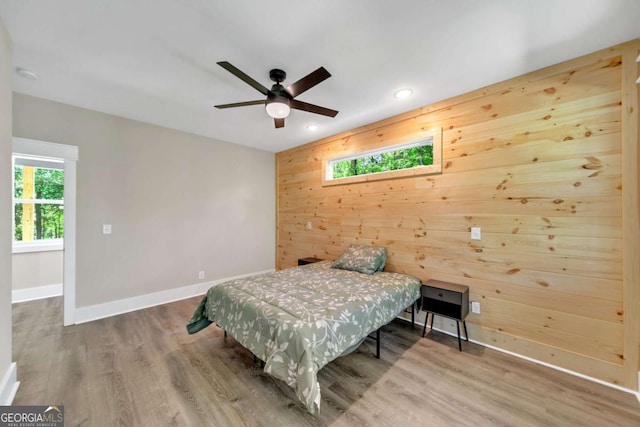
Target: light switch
476	233
106	228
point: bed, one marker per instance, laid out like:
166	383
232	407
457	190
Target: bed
299	319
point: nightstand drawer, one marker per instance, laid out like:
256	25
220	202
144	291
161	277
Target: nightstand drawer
442	295
447	299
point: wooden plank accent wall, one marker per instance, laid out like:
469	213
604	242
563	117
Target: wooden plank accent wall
547	165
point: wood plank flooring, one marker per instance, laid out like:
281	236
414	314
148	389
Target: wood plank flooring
143	369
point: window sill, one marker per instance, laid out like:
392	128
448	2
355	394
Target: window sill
53	245
378	176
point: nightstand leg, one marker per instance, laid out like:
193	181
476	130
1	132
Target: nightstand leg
459	342
432	316
466	334
426	320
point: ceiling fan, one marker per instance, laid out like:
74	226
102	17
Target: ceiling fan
280	100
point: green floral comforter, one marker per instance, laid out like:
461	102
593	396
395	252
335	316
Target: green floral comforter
299	319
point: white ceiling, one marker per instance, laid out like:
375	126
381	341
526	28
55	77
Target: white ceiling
155	60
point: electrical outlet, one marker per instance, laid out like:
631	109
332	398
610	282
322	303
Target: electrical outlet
106	228
475	307
201	275
476	233
309	225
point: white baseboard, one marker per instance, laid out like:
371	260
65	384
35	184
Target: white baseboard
9	385
113	308
29	294
548	365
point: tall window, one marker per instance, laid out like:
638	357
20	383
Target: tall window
38	203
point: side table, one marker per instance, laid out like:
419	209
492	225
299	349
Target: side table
446	299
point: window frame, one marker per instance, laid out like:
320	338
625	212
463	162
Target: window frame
43	245
435	135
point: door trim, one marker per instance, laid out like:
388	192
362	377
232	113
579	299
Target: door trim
69	153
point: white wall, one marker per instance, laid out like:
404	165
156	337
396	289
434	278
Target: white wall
7	369
36	269
178	203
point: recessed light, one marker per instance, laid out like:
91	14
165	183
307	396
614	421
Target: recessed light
26	73
403	93
312	127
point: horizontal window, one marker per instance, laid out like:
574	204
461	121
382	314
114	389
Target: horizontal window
419	157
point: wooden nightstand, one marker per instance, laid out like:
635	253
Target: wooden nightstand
310	260
446	299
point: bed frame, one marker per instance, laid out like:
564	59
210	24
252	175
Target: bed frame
376	338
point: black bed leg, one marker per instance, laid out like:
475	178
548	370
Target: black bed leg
225	333
255	360
378	344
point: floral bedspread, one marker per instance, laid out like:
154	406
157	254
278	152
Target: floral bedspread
299	319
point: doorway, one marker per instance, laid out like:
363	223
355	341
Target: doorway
39	153
38	227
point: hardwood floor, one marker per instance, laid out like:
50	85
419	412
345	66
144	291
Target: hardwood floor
143	369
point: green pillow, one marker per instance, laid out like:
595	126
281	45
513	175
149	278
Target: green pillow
363	259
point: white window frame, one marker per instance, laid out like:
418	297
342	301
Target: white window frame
430	137
44	245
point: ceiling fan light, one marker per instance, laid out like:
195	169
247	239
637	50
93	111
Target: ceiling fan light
278	107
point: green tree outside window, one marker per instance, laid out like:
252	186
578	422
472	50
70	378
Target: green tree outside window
403	158
47	201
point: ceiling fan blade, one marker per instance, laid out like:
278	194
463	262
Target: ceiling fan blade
305	106
241	104
307	82
279	123
242	76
